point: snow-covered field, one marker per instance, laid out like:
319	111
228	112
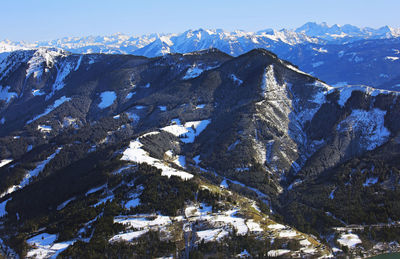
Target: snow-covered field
44	246
349	240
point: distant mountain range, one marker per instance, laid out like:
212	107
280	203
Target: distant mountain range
339	55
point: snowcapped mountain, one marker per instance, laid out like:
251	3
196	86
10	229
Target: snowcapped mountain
338	55
200	154
233	43
346	33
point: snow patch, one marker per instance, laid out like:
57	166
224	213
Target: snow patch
50	108
136	153
392	58
368	125
107	99
235	79
187	132
278	252
44	128
3	210
5	162
192	72
128	236
132	203
211	234
370	181
349	240
44	246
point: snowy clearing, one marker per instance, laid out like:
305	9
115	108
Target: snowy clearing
44	246
136	153
349	240
128	236
187	132
211	234
107	99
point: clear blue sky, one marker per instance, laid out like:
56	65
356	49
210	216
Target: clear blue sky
32	20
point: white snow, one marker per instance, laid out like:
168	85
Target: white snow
192	72
235	79
93	190
305	242
369	125
276	226
64	204
162	108
137	154
180	161
39	168
287	233
44	128
211	234
243	254
128	236
132	203
143	222
349	240
78	63
200	106
37	92
44	246
63	71
224	184
332	194
187	132
129	95
370	181
253	226
196	159
228	217
133	116
42	58
43	239
4	162
278	252
392	58
321	50
3	210
50	108
107	99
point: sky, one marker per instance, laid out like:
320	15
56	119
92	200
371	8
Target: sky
35	20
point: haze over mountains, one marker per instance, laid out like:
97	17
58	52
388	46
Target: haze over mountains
339	55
